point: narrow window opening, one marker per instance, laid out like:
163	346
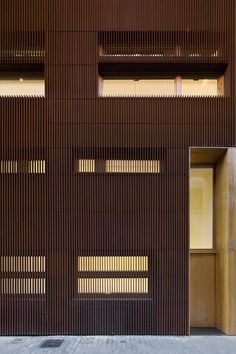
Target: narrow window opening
22	84
180	86
23	166
23	284
117	166
125	267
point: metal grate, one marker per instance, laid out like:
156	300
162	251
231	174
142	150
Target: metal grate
52	343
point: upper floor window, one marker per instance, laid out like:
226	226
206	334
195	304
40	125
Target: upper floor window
201	87
178	86
21	82
22	87
131	87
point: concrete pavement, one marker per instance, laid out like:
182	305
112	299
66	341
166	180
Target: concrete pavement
119	344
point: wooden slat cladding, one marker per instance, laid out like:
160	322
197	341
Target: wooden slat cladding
125	15
163	46
62	215
22	47
22	15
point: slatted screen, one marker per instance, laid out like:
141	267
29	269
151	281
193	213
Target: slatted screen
90	179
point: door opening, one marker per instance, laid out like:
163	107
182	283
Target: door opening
208	220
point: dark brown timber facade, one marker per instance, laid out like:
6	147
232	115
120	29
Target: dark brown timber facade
95	187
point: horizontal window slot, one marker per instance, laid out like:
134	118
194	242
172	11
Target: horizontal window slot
23	286
132	166
201	87
112	285
22	264
22	87
137	87
117	166
84	166
30	166
112	263
178	86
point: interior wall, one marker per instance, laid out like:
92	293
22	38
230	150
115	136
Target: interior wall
22	88
221	226
232	241
202	289
201	208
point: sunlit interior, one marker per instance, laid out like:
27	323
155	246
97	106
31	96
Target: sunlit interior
22	87
161	87
22	264
205	87
15	286
138	87
113	263
112	285
22	166
117	166
132	166
201	208
84	165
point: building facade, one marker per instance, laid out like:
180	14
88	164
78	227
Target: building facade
114	114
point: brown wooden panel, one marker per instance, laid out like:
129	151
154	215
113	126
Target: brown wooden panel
61	214
202	290
23	15
72	48
124	15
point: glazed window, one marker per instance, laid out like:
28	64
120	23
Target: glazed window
201	208
178	86
129	87
22	83
22	87
200	87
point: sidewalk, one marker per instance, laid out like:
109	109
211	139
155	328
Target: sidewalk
119	344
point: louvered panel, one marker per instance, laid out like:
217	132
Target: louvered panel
22	47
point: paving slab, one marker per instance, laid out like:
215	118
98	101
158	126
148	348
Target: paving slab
207	344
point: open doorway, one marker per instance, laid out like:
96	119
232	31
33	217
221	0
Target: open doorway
211	268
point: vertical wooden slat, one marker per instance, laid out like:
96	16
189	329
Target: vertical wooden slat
62	215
